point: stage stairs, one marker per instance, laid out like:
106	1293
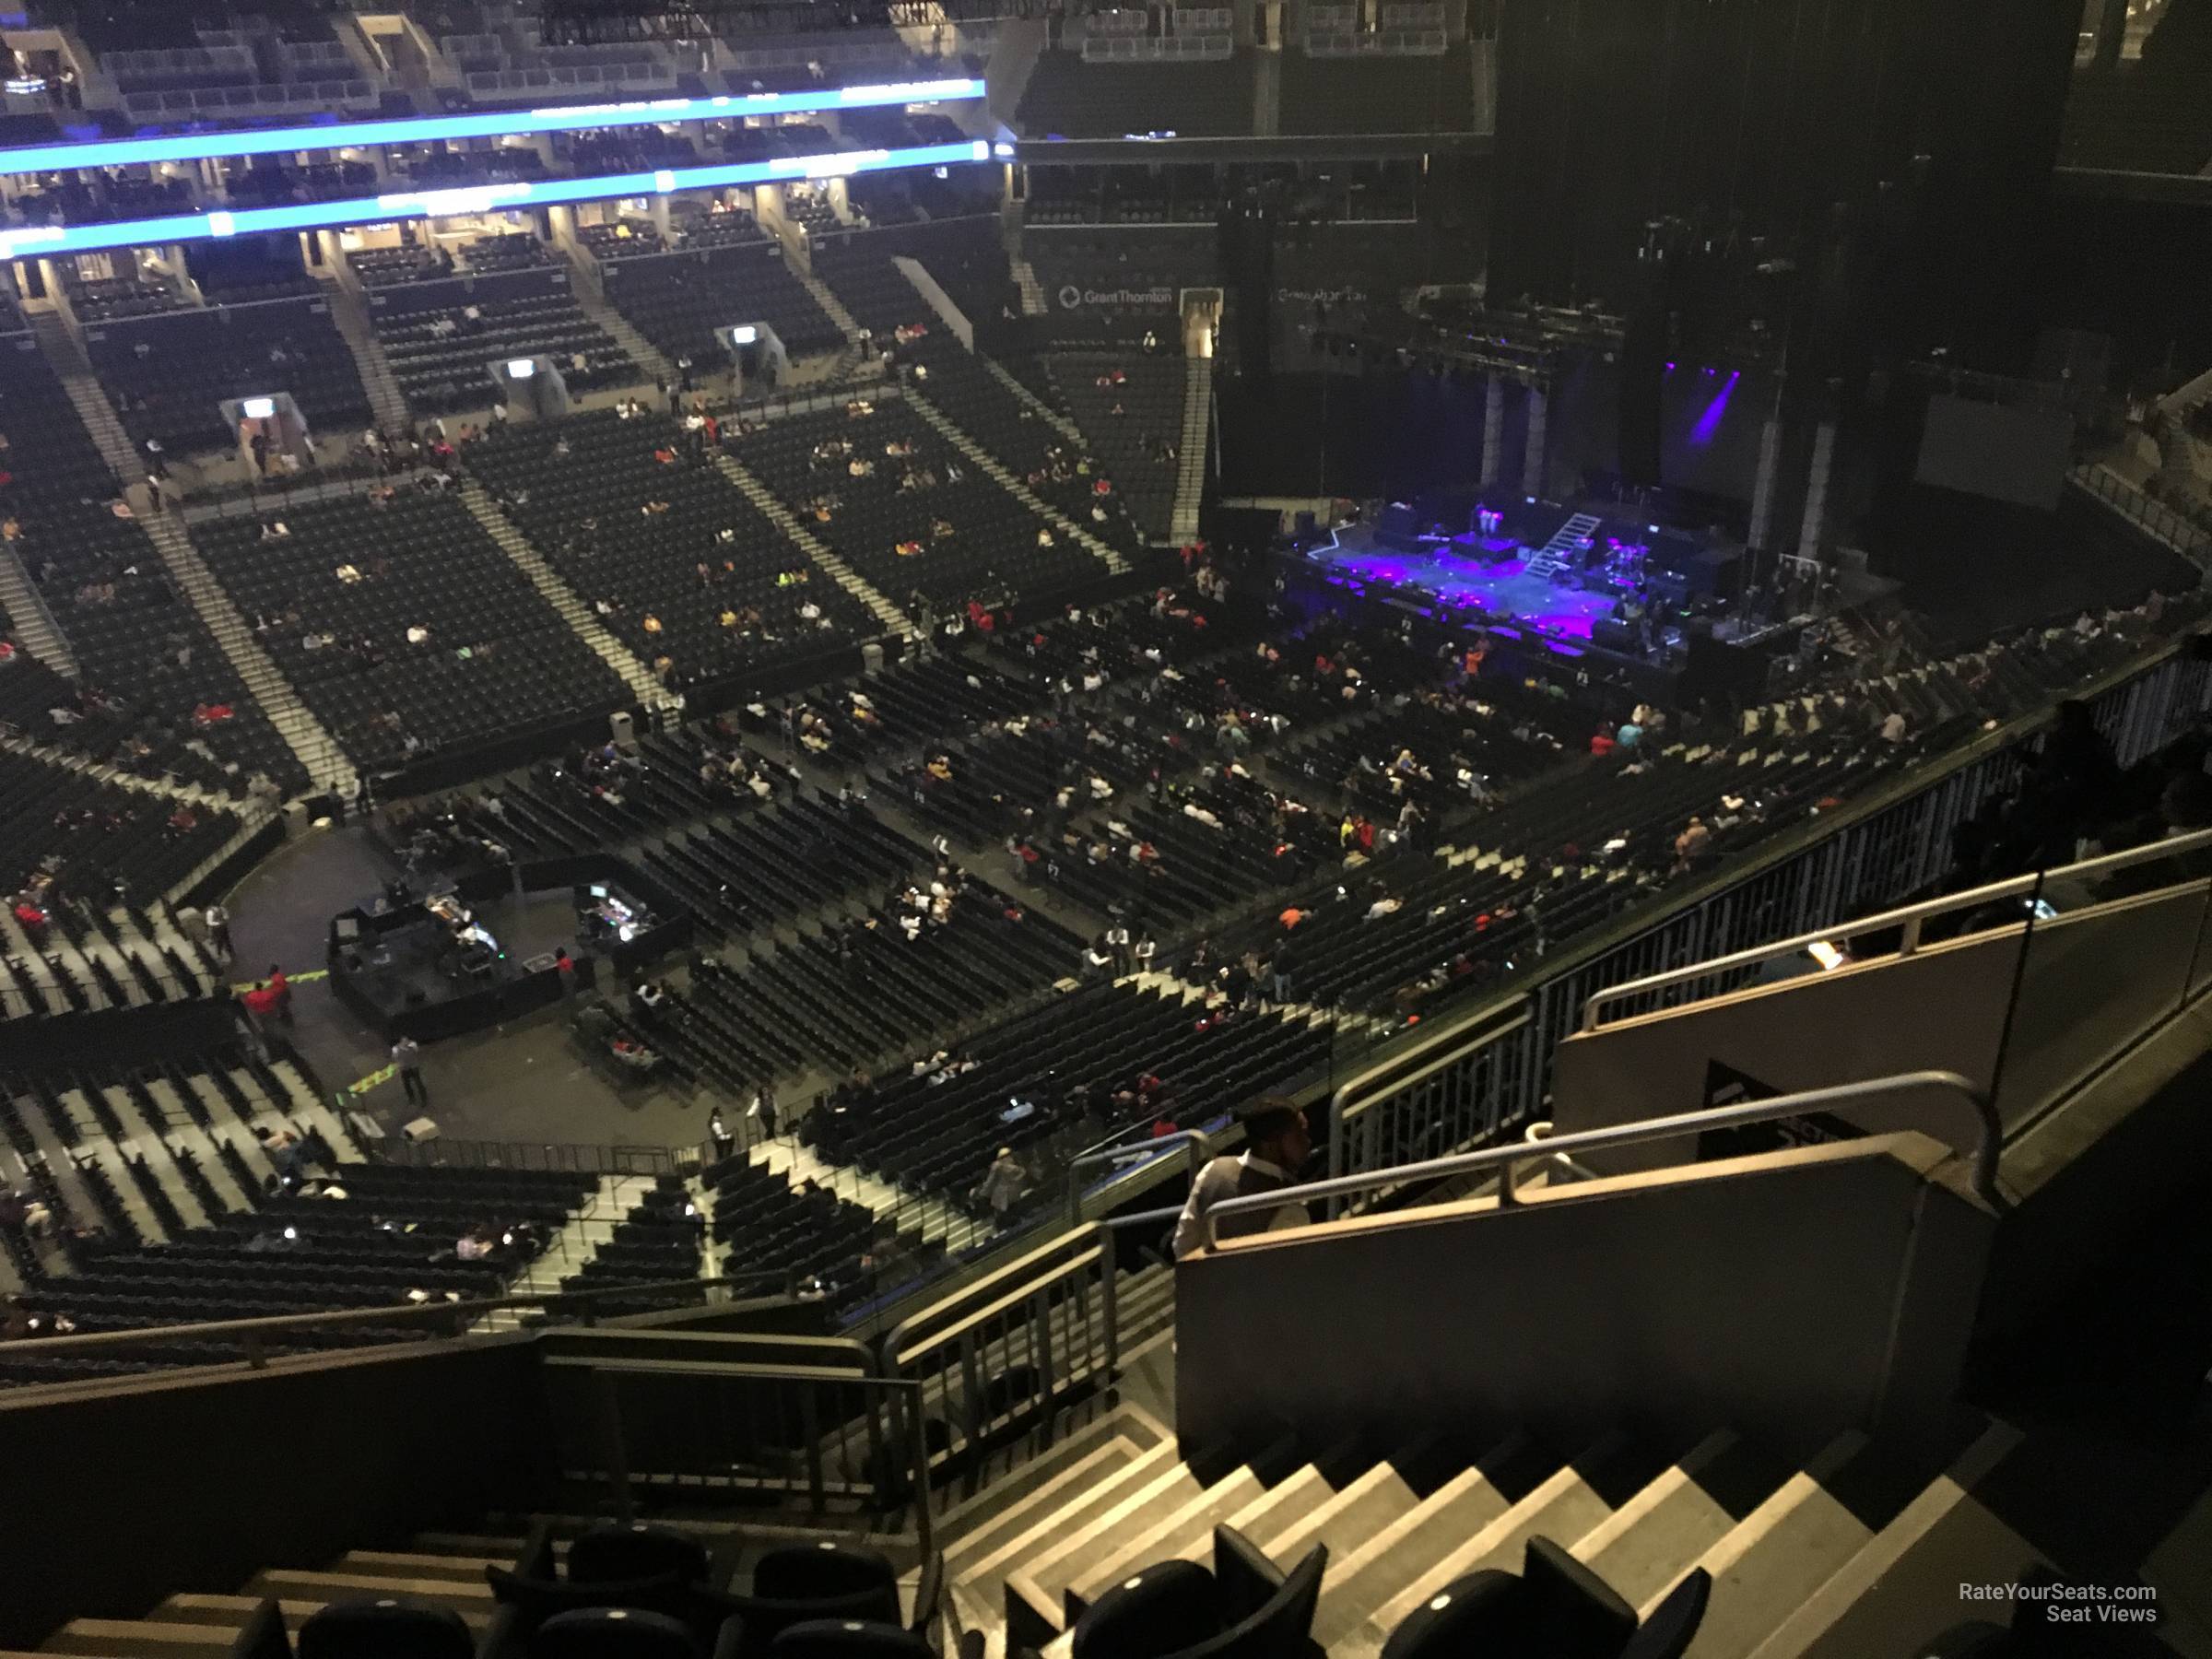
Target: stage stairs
1567	539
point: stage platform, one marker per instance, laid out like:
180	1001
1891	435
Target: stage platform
1459	571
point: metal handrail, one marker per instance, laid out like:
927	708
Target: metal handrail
1504	1157
1908	917
1196	1141
255	1331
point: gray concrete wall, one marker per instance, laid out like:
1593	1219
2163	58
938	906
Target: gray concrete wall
1789	1296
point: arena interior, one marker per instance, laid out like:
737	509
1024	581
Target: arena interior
819	817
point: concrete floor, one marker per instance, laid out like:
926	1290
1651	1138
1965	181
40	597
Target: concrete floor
522	1081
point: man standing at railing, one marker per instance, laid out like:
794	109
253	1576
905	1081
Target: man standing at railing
1276	1145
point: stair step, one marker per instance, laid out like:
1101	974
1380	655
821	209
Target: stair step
129	1638
1186	1530
990	1530
1645	1545
1770	1562
285	1581
1360	1581
1079	1547
409	1564
988	1572
1565	1506
229	1612
1362	1508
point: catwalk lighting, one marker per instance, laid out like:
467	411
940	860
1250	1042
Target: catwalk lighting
427	129
44	240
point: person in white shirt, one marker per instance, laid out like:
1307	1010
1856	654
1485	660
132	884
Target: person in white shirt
1276	1145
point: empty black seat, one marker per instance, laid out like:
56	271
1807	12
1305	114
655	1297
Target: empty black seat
848	1639
612	1633
387	1627
624	1552
1246	1608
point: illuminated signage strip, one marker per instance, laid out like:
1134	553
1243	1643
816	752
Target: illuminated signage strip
195	147
490	198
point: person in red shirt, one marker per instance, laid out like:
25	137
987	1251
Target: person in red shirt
261	1002
280	994
1601	743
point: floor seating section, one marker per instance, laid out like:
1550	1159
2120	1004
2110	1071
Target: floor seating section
103	955
917	517
443	357
1129	406
707	582
88	836
677	301
391	1236
156	695
170	374
339	601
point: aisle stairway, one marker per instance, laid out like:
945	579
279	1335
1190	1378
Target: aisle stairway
1043	411
349	310
1191	456
1033	291
1028	1555
833	307
563	598
589	290
1012	485
931	1219
1566	541
893	619
36	629
308	740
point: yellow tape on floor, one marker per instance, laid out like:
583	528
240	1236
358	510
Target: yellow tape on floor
308	978
383	1074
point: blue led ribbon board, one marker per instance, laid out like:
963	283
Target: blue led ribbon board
571	118
489	198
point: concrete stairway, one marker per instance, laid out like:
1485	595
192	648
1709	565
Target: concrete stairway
1034	304
1044	411
304	735
36	629
314	746
1012	485
589	290
349	310
563	598
833	307
1192	451
893	619
1793	1551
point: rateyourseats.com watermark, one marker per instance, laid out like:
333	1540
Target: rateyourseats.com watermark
2071	1603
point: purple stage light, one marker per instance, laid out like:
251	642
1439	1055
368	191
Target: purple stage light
1709	423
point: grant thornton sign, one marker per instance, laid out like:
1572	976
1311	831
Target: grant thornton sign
1073	297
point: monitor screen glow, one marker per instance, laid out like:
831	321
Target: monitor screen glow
745	334
521	368
258	408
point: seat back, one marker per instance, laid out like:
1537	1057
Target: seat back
848	1639
819	1571
1282	1627
387	1627
1572	1611
612	1633
536	1600
622	1550
1672	1624
1162	1609
263	1635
